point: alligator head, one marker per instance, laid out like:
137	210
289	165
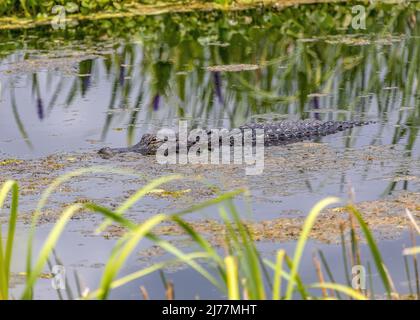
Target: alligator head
148	145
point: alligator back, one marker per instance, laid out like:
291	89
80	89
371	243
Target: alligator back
287	131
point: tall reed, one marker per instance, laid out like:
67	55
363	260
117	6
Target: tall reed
239	273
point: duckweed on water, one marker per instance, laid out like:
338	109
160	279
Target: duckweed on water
385	217
238	238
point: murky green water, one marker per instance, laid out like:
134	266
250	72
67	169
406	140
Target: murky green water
108	82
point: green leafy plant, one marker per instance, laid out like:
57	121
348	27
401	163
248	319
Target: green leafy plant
240	273
6	250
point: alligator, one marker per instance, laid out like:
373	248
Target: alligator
275	133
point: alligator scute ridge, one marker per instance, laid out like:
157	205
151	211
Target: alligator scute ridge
275	133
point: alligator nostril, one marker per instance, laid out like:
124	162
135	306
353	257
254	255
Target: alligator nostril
106	153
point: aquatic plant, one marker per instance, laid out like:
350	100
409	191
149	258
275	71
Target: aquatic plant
7	250
307	57
40	8
44	8
239	273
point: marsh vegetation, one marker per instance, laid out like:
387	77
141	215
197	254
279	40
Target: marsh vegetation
66	93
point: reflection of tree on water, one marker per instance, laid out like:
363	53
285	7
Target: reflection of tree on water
17	119
162	77
37	92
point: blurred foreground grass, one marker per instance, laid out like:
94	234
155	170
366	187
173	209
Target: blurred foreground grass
239	272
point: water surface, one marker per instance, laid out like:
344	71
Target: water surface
110	81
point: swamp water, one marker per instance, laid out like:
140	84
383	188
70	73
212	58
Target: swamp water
67	93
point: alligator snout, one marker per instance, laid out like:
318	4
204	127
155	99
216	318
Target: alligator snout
106	153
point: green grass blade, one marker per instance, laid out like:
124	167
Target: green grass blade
300	287
309	222
144	272
164	244
117	218
411	251
372	289
340	288
203	243
251	254
114	265
413	221
208	203
3	275
232	278
377	258
240	249
277	275
328	270
12	226
181	256
344	254
47	248
47	193
6	253
137	196
273	267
